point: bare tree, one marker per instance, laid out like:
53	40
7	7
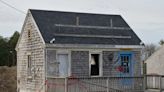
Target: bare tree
149	50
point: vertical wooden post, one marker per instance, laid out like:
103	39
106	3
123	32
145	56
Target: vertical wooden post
107	84
160	83
66	84
145	82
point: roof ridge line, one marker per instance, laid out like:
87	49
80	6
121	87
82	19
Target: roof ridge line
90	13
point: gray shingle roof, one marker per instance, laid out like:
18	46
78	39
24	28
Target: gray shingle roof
84	28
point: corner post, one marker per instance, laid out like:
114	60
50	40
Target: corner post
66	84
107	84
145	82
160	83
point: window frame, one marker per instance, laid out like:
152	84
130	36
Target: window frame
29	34
125	59
131	68
29	64
100	64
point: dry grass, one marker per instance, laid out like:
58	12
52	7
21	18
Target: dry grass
8	79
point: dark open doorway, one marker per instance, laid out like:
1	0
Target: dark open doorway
95	64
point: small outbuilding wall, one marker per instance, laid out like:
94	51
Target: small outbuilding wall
155	63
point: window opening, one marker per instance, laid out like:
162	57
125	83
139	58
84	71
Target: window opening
29	34
29	64
95	64
125	63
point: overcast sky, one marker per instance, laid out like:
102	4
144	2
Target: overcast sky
146	17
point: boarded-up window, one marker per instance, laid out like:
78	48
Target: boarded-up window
52	64
63	64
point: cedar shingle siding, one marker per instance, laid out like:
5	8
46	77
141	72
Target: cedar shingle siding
80	63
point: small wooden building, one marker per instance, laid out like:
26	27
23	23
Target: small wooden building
155	63
54	45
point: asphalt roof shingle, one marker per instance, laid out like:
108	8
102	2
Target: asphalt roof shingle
90	28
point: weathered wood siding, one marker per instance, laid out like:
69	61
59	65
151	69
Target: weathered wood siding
110	58
137	63
80	69
34	47
155	63
110	63
80	63
52	69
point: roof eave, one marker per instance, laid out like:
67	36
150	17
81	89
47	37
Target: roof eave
93	46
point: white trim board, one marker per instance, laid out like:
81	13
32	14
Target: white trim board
94	46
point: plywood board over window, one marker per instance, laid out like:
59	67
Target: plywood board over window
63	65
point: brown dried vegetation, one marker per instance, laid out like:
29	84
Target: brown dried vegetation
8	79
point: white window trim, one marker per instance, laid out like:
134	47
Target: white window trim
100	63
